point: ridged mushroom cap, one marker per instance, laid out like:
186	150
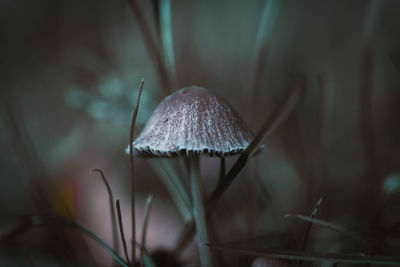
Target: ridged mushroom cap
193	120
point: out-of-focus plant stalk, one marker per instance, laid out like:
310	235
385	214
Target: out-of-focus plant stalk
366	123
167	39
151	46
264	35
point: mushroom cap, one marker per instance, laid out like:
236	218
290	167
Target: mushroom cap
193	121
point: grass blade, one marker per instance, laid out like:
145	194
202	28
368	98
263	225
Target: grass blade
112	209
121	231
310	256
131	132
328	225
309	225
147	211
145	258
313	214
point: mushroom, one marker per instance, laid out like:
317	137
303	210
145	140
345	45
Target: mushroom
191	122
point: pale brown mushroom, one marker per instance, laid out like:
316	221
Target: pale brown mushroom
193	121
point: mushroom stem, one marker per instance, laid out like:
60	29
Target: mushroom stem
197	189
222	169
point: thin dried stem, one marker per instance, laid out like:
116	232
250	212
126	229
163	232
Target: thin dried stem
133	122
307	232
121	231
112	209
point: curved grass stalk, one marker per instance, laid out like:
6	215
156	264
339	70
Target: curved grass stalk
121	230
112	209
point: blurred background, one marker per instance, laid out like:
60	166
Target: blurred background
70	73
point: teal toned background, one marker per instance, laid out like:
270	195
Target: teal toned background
70	73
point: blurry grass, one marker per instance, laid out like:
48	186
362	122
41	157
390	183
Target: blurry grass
174	186
329	225
151	46
309	256
365	113
167	39
29	222
264	35
144	257
147	211
147	261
